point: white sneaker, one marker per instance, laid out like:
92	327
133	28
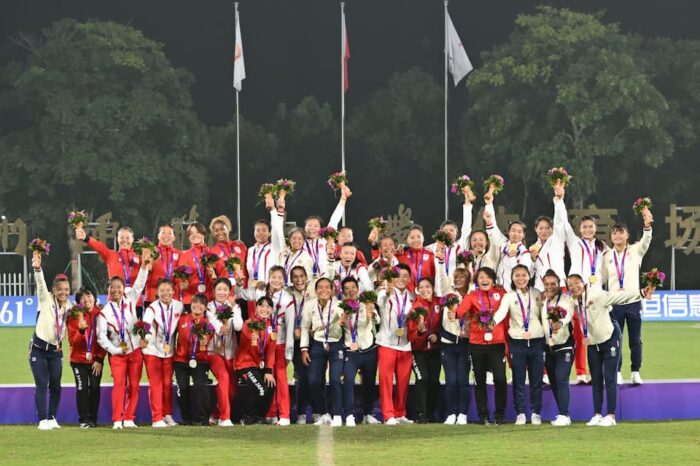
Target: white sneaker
462	420
545	379
159	424
130	425
451	419
583	379
53	424
370	419
44	424
391	422
620	380
636	378
520	420
595	420
169	420
607	421
283	422
118	425
301	420
489	378
536	419
404	420
213	420
350	420
337	421
561	421
323	420
228	423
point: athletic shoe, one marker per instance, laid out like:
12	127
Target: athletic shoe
404	420
301	420
53	423
370	419
130	425
228	423
391	422
337	421
169	420
213	420
159	424
489	378
636	378
271	420
284	421
583	379
350	420
462	420
620	380
44	424
536	419
451	419
607	421
520	420
85	425
595	420
561	421
545	379
323	420
118	425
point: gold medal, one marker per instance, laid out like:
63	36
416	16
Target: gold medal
123	345
586	341
297	333
593	279
399	332
273	336
551	342
354	346
166	348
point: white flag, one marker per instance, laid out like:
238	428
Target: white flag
457	60
238	63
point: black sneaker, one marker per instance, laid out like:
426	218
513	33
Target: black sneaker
85	425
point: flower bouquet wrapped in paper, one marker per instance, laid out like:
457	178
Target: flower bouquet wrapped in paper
494	184
284	187
652	280
464	258
141	329
145	246
255	325
463	185
233	265
558	177
338	180
39	246
642	205
442	238
377	222
77	218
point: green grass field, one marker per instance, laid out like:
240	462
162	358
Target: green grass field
670	352
627	443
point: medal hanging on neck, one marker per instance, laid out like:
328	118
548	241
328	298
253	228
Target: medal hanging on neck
620	268
400	313
353	331
59	322
127	272
261	347
121	324
526	318
89	339
297	316
201	288
167	325
592	260
194	341
327	330
583	315
488	335
275	317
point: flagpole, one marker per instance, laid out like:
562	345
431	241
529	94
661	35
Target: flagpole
238	157
447	201
342	90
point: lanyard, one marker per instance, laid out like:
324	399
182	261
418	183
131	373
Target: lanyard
256	259
399	315
194	341
551	328
447	259
127	272
90	334
582	312
197	263
620	267
167	324
58	323
262	344
298	310
120	323
314	254
328	323
416	265
354	327
592	259
226	252
288	265
481	301
526	318
275	316
167	262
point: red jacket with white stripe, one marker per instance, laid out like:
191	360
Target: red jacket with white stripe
248	355
472	305
78	339
419	341
185	341
192	258
419	260
162	268
117	261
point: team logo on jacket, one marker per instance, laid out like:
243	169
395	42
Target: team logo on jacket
183	326
175	256
426	257
497	296
136	259
237	249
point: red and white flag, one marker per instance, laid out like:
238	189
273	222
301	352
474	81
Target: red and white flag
238	63
345	54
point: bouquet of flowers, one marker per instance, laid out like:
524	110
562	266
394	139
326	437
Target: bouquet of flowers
652	279
224	313
141	329
182	272
377	222
450	301
389	273
642	204
233	264
558	176
494	184
418	313
144	244
369	296
465	258
256	324
349	306
463	185
329	233
76	218
338	180
556	313
78	311
209	259
202	330
485	319
266	193
442	237
39	246
284	187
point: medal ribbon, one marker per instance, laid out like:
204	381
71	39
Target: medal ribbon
120	323
400	315
197	263
167	262
256	259
416	266
194	341
592	259
620	267
298	310
167	324
262	344
59	321
582	312
526	318
328	323
127	272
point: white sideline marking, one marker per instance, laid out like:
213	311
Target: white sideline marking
324	453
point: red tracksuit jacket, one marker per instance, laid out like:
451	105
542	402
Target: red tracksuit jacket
184	342
471	305
192	258
117	261
419	341
78	339
248	355
420	260
162	268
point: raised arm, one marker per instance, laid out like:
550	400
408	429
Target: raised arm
463	240
338	213
134	292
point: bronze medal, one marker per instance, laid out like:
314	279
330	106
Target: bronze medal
586	341
297	333
526	334
354	346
